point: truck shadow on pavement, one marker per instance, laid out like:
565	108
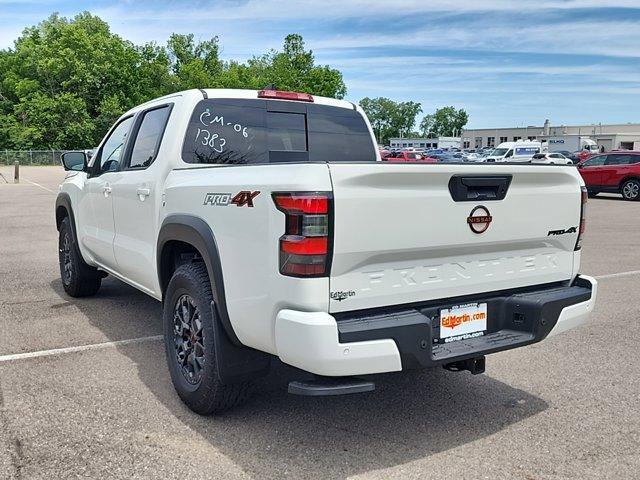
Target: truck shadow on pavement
410	416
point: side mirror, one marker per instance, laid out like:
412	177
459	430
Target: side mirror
74	161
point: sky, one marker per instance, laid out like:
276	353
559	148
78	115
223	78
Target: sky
507	63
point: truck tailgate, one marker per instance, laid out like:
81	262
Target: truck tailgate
400	237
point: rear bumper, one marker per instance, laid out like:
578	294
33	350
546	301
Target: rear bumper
397	338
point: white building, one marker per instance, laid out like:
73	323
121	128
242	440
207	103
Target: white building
625	136
438	142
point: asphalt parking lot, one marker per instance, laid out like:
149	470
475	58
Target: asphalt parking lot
568	407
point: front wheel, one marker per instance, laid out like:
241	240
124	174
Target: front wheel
78	278
188	319
631	190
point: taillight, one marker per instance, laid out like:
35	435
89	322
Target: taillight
305	247
583	212
281	95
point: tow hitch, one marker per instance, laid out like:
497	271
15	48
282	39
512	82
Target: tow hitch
474	365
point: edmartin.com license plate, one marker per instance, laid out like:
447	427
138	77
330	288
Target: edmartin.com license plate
463	322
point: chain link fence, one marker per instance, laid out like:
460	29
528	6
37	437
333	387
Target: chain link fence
31	157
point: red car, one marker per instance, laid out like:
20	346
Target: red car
409	157
614	172
581	155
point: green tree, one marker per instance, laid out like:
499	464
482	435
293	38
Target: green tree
196	65
390	119
445	122
66	81
54	122
294	69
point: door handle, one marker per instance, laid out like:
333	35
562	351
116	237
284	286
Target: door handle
143	193
106	189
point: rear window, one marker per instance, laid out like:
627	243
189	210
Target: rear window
245	131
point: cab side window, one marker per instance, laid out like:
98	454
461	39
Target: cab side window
148	137
110	155
595	161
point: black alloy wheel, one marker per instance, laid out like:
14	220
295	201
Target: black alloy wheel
188	338
66	261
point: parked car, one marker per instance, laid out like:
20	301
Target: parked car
483	154
614	172
570	155
264	237
582	155
551	158
447	157
402	156
471	156
434	151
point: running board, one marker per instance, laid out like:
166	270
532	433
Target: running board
325	386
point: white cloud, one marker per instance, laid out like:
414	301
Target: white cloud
258	25
619	39
331	9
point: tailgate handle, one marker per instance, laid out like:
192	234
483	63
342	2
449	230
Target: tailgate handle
479	187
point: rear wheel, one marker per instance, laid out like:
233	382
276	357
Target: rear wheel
631	190
78	278
188	319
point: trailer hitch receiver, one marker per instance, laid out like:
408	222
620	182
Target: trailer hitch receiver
474	365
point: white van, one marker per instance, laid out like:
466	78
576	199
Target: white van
521	151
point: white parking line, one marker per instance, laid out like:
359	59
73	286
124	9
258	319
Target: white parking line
81	348
118	343
38	185
616	275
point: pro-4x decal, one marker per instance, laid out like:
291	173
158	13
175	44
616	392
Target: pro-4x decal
562	232
240	199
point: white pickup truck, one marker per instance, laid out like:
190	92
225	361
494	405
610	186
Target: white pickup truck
267	225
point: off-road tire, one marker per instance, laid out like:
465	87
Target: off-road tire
209	395
78	278
630	190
